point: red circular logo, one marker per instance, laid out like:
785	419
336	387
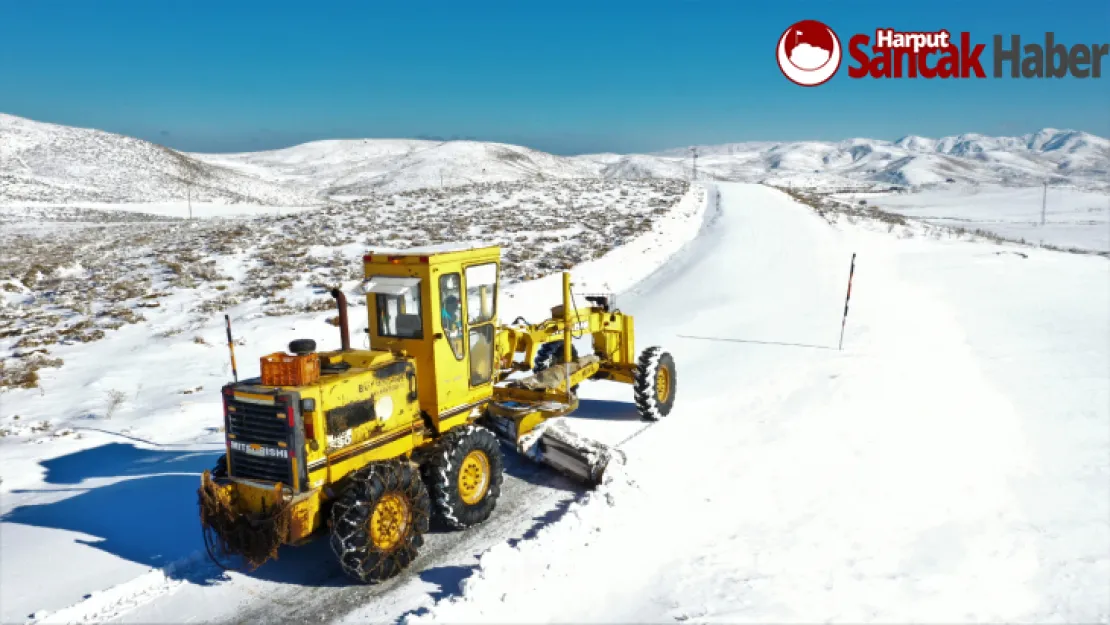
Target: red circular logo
809	53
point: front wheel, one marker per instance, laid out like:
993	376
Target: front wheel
464	476
379	521
655	383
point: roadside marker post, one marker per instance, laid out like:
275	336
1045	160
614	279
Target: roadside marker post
844	320
231	348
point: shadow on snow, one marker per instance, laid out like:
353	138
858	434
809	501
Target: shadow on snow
147	511
606	410
313	564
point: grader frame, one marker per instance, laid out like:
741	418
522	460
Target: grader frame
412	419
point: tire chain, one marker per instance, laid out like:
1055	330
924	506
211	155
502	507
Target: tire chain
438	469
351	513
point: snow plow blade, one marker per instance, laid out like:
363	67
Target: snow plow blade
539	433
573	455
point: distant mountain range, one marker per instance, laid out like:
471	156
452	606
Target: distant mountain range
49	163
1049	154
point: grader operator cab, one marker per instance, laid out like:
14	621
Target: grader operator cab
373	443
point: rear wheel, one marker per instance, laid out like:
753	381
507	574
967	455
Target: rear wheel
379	521
464	476
655	383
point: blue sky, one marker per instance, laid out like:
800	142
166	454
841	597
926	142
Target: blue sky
567	77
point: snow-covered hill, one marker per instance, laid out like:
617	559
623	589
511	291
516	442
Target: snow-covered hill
360	167
49	163
1060	156
74	275
42	162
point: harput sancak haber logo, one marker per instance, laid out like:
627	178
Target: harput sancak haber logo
809	53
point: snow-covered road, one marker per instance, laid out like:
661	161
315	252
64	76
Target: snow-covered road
950	464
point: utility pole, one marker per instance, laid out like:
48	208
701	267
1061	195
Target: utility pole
189	192
694	153
1044	201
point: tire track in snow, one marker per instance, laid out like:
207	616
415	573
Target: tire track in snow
523	501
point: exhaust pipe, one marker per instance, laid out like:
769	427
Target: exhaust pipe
341	306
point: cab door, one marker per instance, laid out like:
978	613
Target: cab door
464	325
449	328
480	281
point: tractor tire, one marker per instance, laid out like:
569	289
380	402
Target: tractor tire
379	521
655	384
464	475
552	354
302	346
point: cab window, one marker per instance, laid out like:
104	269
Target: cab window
450	310
481	354
481	292
399	313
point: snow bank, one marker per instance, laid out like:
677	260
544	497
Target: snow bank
622	268
105	605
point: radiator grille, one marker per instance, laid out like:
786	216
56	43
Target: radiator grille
254	468
266	426
253	423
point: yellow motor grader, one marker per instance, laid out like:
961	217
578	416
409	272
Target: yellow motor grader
374	443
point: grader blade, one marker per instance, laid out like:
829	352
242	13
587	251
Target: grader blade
370	444
540	433
556	445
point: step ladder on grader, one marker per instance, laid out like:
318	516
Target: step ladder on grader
373	443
